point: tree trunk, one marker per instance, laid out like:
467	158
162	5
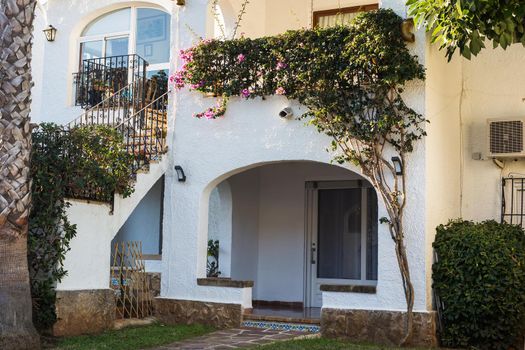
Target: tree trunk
16	25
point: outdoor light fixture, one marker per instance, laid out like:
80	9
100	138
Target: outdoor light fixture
50	33
398	165
181	2
180	173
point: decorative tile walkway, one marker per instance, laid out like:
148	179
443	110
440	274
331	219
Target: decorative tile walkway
235	339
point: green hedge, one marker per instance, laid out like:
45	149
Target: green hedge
64	162
480	279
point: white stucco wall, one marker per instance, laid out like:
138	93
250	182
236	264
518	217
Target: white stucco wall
443	104
245	232
461	96
89	260
492	88
251	134
144	223
37	64
220	225
60	59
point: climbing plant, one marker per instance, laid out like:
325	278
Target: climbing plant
65	162
212	266
351	78
466	25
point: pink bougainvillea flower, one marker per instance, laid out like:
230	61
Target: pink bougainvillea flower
209	114
280	91
245	93
186	55
281	65
241	58
177	79
196	86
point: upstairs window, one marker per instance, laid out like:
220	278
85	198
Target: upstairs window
339	16
133	30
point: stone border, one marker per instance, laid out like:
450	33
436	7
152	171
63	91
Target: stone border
341	288
224	282
84	312
378	327
218	315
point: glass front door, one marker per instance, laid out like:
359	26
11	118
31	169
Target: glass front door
342	236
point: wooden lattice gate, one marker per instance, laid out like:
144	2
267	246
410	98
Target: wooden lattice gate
129	281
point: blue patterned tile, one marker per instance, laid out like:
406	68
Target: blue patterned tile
281	326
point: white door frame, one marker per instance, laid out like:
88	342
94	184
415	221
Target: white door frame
312	293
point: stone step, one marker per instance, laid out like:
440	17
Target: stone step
308	328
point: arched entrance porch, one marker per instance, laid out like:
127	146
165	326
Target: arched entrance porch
291	228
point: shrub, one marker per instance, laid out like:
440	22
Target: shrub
64	163
480	280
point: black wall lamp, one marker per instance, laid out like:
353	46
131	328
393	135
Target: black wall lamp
180	173
50	33
398	165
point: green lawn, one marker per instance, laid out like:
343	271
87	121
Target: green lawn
322	344
131	338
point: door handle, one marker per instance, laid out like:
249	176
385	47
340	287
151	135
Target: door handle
312	256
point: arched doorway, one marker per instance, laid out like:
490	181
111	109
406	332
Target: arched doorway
295	226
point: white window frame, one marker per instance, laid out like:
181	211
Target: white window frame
131	34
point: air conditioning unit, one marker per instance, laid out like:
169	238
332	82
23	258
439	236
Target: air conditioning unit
506	137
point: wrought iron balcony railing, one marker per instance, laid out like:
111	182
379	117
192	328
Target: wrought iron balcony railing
100	78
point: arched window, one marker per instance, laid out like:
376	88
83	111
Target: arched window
133	30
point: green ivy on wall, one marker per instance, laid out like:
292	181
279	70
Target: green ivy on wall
63	163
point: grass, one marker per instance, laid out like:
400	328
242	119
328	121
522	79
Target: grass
132	338
322	344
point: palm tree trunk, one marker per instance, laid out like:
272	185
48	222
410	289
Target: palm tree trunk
16	25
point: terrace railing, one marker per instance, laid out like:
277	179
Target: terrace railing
145	132
100	78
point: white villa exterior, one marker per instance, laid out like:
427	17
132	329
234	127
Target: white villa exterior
293	228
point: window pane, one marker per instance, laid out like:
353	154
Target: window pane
113	22
117	47
339	225
91	49
153	35
157	84
339	19
371	236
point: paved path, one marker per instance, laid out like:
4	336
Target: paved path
235	339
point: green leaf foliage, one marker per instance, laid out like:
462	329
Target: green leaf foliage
464	25
65	163
350	77
480	279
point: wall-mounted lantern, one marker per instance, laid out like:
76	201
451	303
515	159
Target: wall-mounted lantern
181	2
50	33
398	165
180	173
